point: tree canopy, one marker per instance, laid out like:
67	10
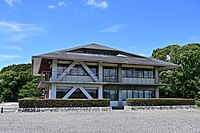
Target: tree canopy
16	81
186	79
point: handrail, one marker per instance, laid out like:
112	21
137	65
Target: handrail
47	76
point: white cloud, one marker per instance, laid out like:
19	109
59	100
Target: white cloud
13	47
10	2
4	57
98	3
114	28
12	31
61	4
51	6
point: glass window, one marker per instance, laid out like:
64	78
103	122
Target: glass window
93	92
152	94
60	93
141	94
124	95
146	74
106	94
146	94
130	94
78	94
123	73
140	73
135	93
111	94
129	73
94	70
80	71
110	74
135	73
151	75
74	71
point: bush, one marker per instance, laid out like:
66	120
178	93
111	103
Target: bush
158	101
50	103
197	102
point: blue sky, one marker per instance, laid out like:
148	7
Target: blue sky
31	27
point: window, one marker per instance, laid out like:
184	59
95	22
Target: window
141	94
151	74
110	74
137	73
140	74
93	92
94	70
146	73
111	94
129	94
124	73
78	94
129	73
146	94
124	95
61	91
135	94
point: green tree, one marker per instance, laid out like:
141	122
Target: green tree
186	79
16	81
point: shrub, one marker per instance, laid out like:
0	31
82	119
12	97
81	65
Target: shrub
50	103
158	101
197	102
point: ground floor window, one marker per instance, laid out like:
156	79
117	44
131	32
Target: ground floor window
137	94
62	91
93	92
112	94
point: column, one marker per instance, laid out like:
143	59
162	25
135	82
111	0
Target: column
120	73
53	91
156	75
120	104
54	70
157	92
100	92
100	71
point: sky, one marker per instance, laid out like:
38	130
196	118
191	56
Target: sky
32	27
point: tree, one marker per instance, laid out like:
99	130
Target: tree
186	79
16	81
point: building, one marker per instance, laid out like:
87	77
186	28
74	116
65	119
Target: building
96	71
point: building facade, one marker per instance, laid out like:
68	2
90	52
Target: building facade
96	71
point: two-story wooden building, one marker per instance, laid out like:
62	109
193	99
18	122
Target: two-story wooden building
96	71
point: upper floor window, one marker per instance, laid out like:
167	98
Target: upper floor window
137	73
110	74
76	70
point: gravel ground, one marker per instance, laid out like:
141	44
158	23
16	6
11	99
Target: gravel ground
160	121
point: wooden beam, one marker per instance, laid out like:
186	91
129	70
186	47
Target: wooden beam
89	71
85	93
67	70
70	92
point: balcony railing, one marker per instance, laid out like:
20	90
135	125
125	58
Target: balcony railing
112	78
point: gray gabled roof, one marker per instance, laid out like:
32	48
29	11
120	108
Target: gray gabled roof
68	54
94	46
